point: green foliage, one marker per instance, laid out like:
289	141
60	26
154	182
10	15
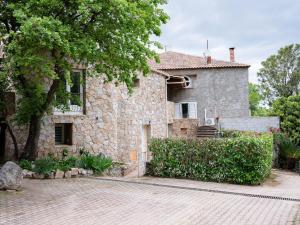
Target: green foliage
242	160
255	101
67	164
50	164
44	39
65	152
280	75
96	163
25	164
45	166
289	152
289	111
40	37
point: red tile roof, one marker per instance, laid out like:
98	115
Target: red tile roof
174	60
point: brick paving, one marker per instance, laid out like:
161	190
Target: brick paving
97	201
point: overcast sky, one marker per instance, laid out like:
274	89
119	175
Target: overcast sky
257	28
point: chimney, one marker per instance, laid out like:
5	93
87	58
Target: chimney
208	59
231	53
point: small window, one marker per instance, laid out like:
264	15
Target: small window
188	82
186	110
63	134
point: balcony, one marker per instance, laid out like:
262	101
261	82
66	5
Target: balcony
75	106
73	110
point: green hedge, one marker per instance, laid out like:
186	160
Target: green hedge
241	160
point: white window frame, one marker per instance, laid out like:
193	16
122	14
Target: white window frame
178	110
74	109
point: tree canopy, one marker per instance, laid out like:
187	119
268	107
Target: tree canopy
289	111
44	39
280	74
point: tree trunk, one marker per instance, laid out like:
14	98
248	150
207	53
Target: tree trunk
3	127
16	153
31	146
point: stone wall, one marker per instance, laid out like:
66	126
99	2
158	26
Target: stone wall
258	124
170	111
185	128
113	122
223	92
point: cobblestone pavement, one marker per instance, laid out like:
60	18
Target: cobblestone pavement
96	201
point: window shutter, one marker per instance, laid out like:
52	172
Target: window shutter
193	110
178	110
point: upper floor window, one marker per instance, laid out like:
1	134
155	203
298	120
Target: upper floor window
188	81
186	110
76	90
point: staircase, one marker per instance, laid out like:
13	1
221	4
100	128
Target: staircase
207	132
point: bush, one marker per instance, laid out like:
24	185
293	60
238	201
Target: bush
25	164
289	152
68	163
45	166
96	163
241	160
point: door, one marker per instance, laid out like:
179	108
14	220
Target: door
143	158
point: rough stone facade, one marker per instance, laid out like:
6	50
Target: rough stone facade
184	128
223	92
113	123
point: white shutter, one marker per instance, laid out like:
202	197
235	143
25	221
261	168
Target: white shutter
178	113
192	110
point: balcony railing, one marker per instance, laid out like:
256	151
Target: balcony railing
74	106
73	110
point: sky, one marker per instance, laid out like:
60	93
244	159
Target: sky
256	28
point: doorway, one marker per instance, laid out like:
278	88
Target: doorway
144	156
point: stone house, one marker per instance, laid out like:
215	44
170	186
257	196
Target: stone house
215	94
110	121
181	94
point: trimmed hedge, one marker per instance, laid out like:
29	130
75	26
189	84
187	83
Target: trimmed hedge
241	160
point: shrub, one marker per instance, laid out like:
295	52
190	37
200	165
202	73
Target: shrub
45	166
68	163
25	164
242	160
96	163
289	152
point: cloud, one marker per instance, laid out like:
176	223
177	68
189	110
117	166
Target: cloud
257	28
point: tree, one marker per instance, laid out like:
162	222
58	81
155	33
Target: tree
288	108
4	121
255	99
43	39
280	74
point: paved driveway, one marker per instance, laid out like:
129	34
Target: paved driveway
151	201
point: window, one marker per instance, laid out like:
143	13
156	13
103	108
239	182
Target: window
188	82
76	88
63	133
186	110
